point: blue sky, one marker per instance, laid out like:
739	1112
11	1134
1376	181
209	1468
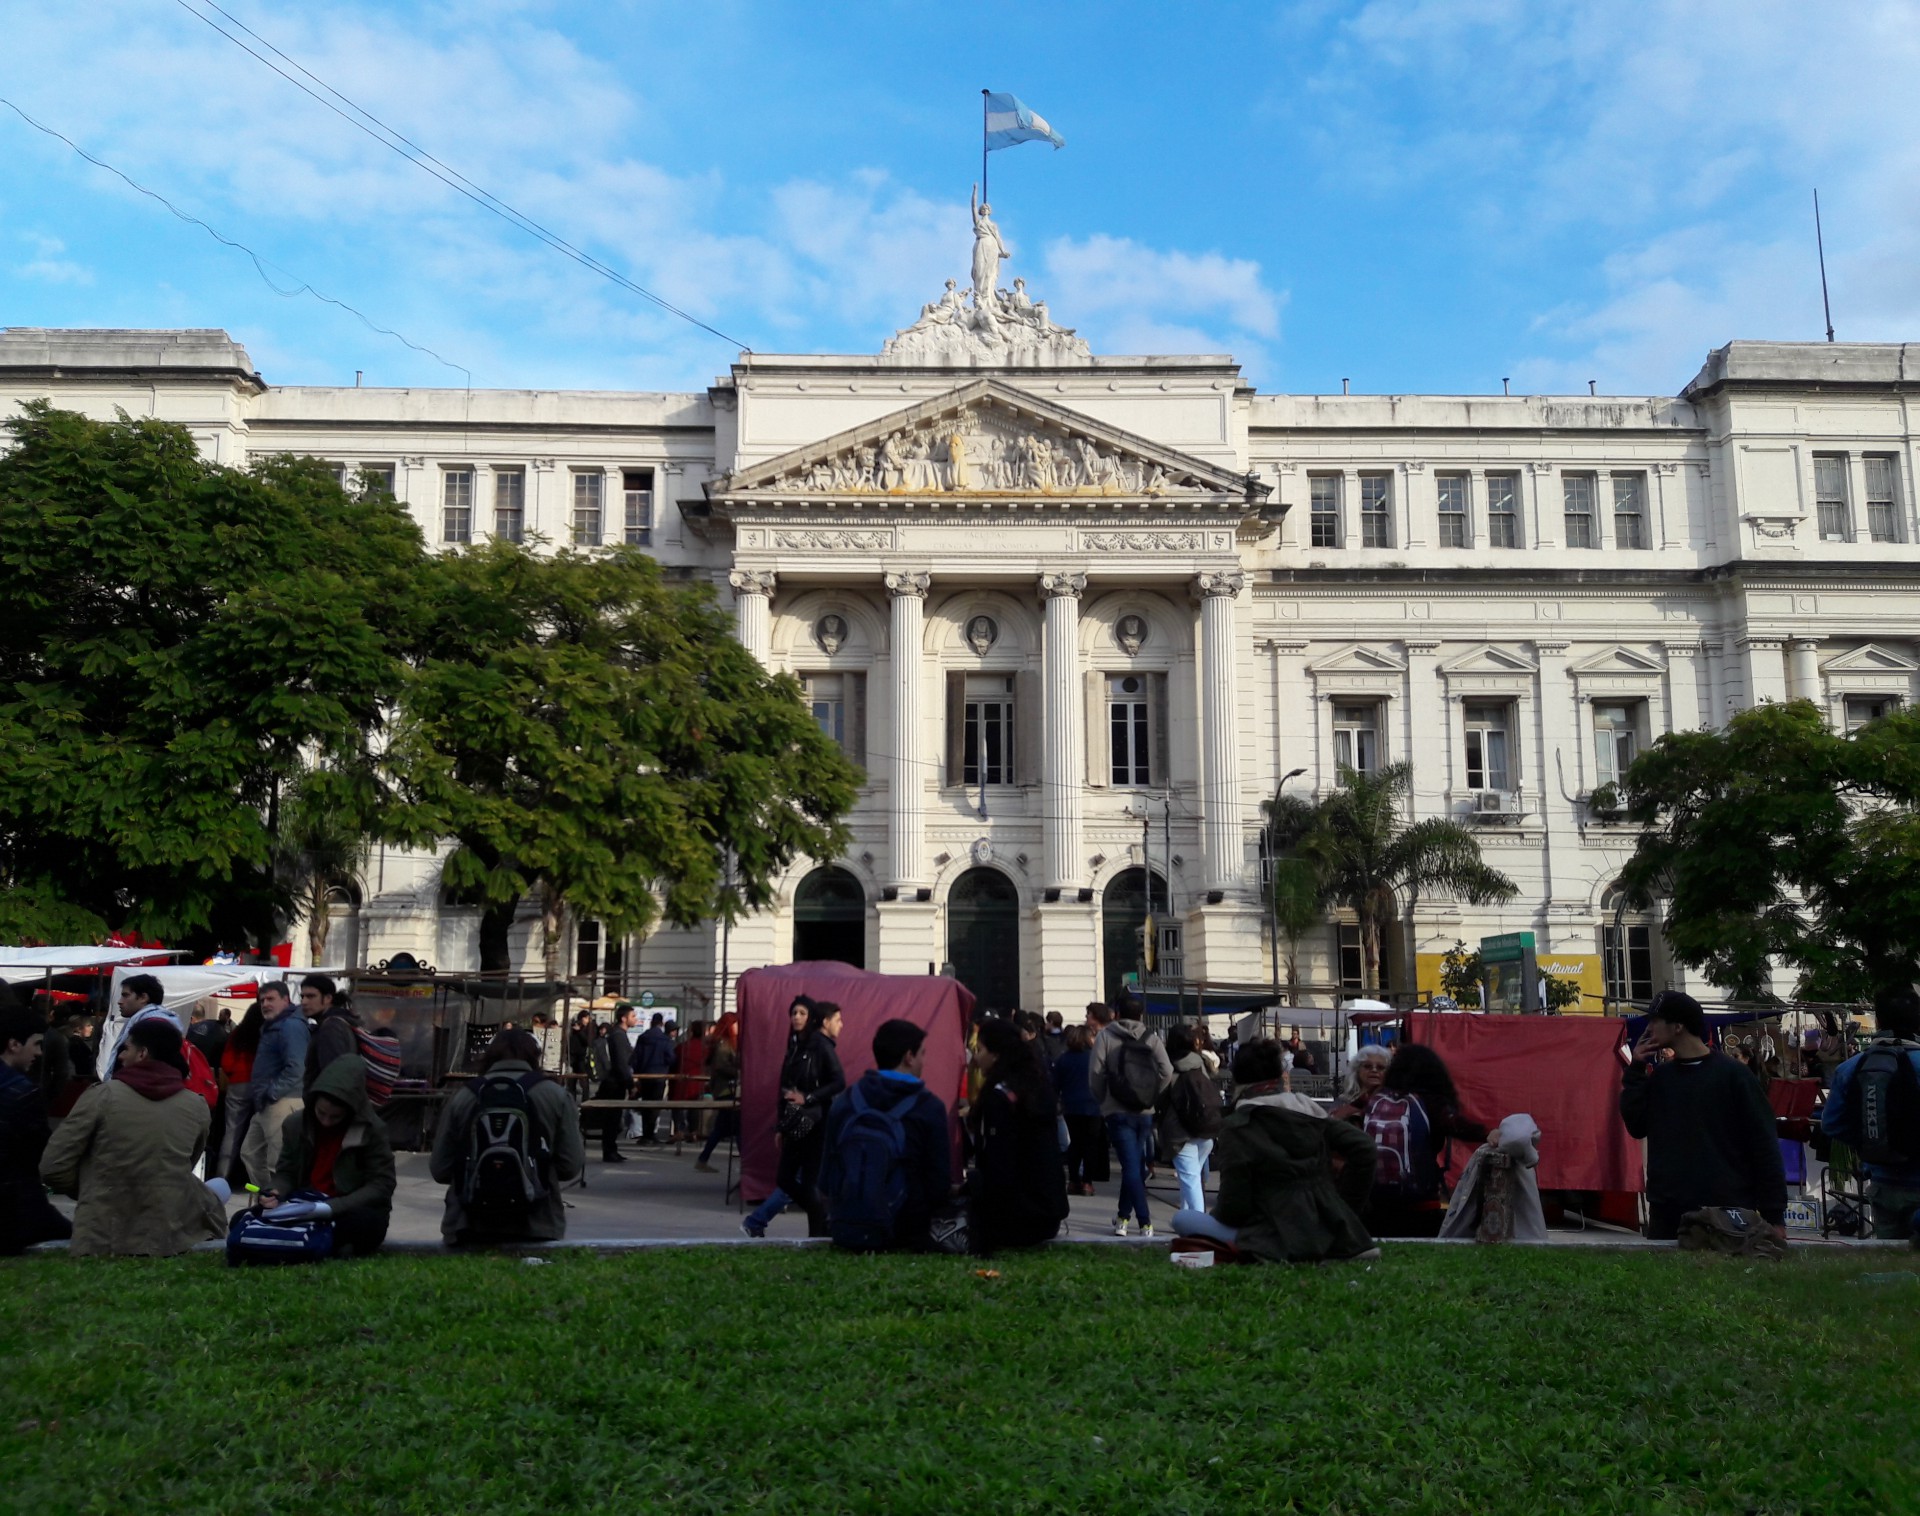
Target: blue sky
1417	195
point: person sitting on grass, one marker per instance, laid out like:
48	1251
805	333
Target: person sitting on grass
545	1148
336	1162
25	1215
887	1165
1280	1199
1411	1118
127	1152
1018	1194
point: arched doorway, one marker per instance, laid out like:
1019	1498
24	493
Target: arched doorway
983	937
830	918
1123	912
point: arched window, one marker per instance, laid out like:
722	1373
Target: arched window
1123	915
830	918
1626	951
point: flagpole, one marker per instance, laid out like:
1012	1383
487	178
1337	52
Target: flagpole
983	145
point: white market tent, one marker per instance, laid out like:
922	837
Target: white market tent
24	965
185	983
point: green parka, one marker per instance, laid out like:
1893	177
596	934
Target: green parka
1277	1184
363	1173
559	1122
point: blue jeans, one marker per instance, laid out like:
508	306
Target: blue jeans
1131	1133
1189	1164
1192	1222
769	1208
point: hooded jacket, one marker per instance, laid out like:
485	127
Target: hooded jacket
126	1153
559	1121
928	1159
1104	1052
280	1064
652	1052
1275	1157
363	1174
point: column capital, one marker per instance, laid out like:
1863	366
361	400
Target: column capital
1071	585
1760	641
1804	644
752	581
1420	647
1550	649
1225	583
908	582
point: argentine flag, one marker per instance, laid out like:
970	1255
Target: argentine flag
1009	123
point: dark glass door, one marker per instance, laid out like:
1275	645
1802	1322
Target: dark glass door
983	937
1123	911
830	919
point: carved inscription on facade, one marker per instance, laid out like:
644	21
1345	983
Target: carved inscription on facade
1143	542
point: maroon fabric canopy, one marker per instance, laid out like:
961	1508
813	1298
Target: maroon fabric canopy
943	1006
1563	1071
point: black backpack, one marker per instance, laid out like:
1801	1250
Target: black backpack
507	1156
870	1187
1887	1095
1195	1103
1133	1074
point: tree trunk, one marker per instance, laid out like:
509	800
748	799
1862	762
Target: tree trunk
552	922
1412	944
319	920
495	922
1370	953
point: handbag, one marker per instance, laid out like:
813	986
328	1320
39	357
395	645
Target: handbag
797	1121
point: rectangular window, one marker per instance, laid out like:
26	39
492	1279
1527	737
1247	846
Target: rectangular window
827	699
587	490
1503	510
1616	740
986	740
1883	515
637	487
1456	529
1489	765
1864	708
1577	492
1352	964
1630	511
1129	728
376	478
599	956
1168	964
1356	738
510	504
457	506
1376	510
1830	497
339	472
1626	958
1324	495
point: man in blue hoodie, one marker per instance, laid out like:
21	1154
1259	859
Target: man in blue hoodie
279	1080
880	1200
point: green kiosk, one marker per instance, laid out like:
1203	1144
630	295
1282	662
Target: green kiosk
1513	973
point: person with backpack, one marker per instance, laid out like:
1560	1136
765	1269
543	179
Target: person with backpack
887	1158
332	1021
810	1080
1128	1073
1017	1194
1190	1118
1709	1130
1411	1118
1873	1106
1280	1198
336	1162
507	1143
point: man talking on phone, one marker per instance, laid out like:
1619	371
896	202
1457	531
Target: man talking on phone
1709	1130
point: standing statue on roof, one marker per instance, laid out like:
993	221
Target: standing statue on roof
988	250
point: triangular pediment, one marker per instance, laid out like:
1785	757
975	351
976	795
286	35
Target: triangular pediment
1355	658
1870	659
1488	659
988	441
1617	660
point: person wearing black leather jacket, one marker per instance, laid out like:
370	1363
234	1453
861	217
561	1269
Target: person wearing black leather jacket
809	1080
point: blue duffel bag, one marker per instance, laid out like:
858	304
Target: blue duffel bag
253	1238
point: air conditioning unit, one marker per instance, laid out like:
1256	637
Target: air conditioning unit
1495	803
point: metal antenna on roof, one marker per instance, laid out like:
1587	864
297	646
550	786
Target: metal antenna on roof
1820	243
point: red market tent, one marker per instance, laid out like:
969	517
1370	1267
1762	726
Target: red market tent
943	1006
1563	1071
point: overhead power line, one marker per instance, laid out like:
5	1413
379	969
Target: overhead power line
260	264
359	117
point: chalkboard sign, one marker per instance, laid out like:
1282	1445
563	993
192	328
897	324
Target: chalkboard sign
479	1034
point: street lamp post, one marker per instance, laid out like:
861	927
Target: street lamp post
1273	862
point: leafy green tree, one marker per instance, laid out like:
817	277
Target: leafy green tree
1460	974
1780	840
178	640
1369	857
579	727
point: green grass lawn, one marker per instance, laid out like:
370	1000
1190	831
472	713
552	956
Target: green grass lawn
1089	1379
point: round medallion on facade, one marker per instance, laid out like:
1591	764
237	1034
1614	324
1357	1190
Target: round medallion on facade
1131	633
982	633
982	852
830	632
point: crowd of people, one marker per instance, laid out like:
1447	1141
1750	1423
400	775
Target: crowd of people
1045	1111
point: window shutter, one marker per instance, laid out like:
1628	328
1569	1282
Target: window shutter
856	696
956	726
1160	760
1027	727
1099	738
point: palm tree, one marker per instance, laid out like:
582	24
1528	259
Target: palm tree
1298	897
1367	857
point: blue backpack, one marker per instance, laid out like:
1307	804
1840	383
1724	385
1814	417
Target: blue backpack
871	1187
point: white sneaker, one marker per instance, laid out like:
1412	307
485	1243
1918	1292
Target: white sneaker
1147	1229
1120	1226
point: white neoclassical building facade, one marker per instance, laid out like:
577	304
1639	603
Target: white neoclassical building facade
1078	615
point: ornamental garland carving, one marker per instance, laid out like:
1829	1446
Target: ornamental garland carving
1143	542
833	541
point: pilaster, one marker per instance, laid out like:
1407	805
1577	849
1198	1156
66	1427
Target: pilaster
906	773
1219	726
1060	762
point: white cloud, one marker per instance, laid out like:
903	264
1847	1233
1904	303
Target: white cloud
1127	298
48	266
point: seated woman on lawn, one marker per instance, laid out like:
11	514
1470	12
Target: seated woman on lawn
1019	1188
1410	1118
1280	1197
336	1161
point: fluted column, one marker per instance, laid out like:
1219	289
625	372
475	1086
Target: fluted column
906	821
1803	659
1060	764
1220	748
753	599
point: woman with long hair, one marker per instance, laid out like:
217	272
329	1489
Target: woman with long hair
1410	1118
1086	1127
1018	1197
1366	1072
809	1080
236	1073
